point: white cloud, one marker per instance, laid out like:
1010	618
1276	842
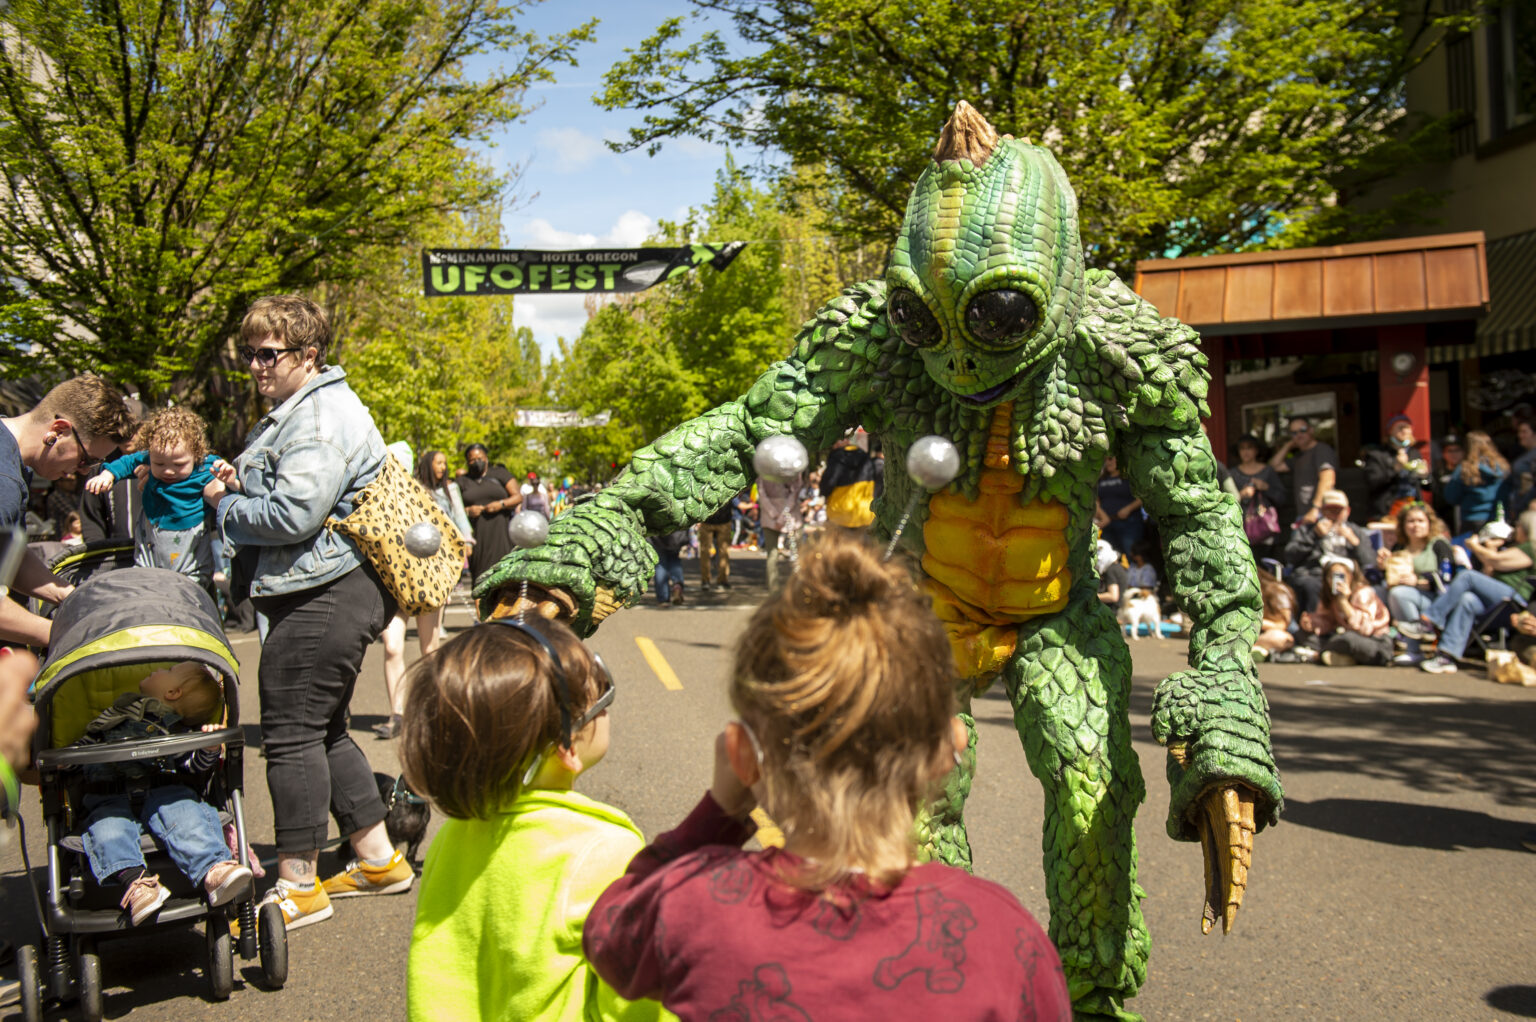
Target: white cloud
698	149
628	231
570	149
553	316
550	317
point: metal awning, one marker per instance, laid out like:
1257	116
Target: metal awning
1511	321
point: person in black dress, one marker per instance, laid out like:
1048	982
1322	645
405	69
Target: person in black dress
491	498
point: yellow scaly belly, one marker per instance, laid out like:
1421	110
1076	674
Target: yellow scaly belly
994	562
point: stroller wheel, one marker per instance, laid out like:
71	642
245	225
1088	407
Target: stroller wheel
88	966
31	983
273	933
221	957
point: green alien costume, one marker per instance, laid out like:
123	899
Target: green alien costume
989	330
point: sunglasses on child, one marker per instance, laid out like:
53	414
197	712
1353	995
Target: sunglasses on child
266	358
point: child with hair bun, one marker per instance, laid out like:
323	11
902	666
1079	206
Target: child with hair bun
498	724
844	684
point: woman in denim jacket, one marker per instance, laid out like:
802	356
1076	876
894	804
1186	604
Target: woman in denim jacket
305	462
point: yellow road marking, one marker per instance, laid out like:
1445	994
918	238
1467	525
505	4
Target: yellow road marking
658	663
768	833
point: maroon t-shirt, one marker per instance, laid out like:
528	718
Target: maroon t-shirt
712	933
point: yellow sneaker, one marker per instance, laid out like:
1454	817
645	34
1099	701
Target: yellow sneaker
300	907
360	878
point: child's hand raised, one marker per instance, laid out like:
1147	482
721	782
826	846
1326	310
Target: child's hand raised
733	757
101	482
225	473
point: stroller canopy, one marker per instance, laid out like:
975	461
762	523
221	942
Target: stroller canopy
136	616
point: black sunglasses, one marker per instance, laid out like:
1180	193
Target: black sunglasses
264	357
565	699
84	462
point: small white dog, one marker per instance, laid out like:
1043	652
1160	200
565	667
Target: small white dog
1138	605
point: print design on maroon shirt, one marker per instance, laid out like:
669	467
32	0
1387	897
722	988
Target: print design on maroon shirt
838	912
938	950
730	883
763	998
1028	952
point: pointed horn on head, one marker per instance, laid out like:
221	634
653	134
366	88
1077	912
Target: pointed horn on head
966	136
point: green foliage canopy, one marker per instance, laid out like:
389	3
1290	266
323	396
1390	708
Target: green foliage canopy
1189	126
661	356
171	160
440	373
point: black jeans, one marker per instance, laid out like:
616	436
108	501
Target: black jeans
309	663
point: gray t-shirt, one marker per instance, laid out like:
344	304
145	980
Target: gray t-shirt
1305	468
14	486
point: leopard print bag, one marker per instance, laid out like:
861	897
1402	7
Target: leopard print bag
382	512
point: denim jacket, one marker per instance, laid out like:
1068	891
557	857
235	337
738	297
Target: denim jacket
303	462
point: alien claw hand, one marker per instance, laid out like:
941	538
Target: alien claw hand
1225	822
554	604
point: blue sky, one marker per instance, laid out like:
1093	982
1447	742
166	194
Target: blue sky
574	192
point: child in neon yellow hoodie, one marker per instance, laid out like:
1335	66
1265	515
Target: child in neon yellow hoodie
498	724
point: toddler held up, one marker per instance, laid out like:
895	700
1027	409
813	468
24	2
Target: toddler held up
173	533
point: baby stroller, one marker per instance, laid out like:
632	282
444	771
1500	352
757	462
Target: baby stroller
111	633
74	565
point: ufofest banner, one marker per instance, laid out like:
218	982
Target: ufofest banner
503	271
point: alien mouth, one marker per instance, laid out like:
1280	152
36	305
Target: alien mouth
992	393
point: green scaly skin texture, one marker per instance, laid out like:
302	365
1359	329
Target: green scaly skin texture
1104	374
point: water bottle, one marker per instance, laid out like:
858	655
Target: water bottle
1445	569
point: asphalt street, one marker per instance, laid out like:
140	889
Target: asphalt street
1395	886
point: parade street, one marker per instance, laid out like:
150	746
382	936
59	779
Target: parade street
1394	887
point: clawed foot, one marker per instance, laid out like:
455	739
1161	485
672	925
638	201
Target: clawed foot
1224	817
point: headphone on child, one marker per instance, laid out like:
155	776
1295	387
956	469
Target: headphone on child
563	698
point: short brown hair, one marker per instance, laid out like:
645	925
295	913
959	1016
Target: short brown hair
171	426
481	707
292	319
92	405
846	678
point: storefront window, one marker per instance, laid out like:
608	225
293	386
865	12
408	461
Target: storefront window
1268	421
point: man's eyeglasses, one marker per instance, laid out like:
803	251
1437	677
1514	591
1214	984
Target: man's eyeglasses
84	462
264	357
1300	430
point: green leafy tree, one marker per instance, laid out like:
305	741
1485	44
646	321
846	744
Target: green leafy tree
439	373
168	161
671	352
1188	126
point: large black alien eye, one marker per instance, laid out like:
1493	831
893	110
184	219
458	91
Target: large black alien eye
912	320
1002	318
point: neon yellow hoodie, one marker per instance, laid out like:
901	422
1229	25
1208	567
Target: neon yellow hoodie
500	908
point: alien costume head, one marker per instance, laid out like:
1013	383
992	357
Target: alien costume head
987	275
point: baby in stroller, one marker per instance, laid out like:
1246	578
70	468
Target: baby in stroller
122	799
140	754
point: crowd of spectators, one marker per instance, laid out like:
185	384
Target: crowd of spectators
1438	553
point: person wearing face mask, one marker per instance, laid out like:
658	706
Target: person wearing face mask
491	498
1395	472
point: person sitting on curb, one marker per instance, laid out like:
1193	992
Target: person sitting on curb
1332	535
1472	595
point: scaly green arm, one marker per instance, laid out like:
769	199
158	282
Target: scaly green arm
1217	707
597	552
